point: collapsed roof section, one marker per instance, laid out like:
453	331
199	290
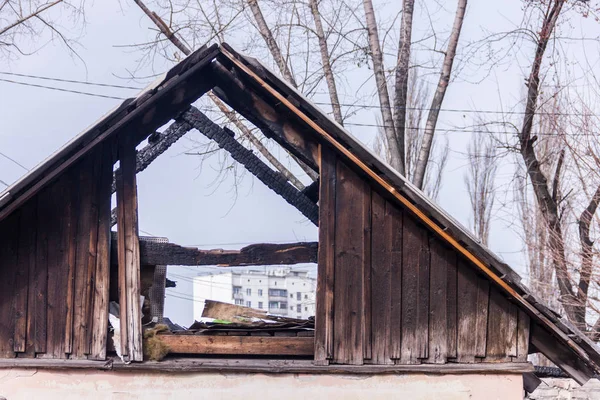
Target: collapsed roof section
286	116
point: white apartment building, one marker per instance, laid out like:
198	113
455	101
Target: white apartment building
279	291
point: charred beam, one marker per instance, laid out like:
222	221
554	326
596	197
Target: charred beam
312	191
272	123
273	179
152	253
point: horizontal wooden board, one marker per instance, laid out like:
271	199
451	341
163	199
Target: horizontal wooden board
239	345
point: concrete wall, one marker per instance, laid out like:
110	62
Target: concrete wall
26	384
566	389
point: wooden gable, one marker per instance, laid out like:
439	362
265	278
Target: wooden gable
392	292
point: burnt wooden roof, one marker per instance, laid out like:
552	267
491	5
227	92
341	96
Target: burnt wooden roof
173	93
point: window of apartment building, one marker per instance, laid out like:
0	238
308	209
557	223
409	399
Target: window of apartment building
298	296
249	304
291	295
249	292
283	305
260	305
306	296
305	308
239	302
291	308
273	304
260	293
237	289
299	308
278	292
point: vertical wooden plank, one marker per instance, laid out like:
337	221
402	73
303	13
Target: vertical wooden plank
72	233
366	266
129	253
466	313
102	275
498	327
481	317
512	330
9	241
412	237
522	336
326	257
40	284
90	268
394	234
438	283
58	266
349	264
25	277
423	297
452	305
84	232
380	282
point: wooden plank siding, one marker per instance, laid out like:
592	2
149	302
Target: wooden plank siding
400	295
48	269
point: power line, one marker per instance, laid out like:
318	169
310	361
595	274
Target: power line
47	78
14	161
61	89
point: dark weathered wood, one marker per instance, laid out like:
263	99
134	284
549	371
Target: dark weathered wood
239	345
72	239
9	236
452	305
86	234
481	316
274	180
410	285
157	293
394	235
559	354
381	281
530	382
522	336
366	267
58	266
438	309
466	313
512	330
153	253
122	261
273	123
499	332
99	315
423	297
129	253
349	262
270	366
326	254
25	280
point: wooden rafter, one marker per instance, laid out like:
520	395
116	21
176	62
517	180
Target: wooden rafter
152	253
273	179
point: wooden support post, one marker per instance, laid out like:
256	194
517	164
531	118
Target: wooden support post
128	254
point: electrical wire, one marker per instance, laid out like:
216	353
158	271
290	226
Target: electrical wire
14	161
47	78
62	90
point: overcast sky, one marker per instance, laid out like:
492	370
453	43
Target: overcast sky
178	197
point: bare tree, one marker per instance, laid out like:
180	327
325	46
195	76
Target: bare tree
439	95
23	23
479	180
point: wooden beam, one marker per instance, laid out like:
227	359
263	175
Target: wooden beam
152	253
285	366
239	345
129	255
273	179
273	123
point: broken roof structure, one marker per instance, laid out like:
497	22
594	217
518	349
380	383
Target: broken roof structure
325	147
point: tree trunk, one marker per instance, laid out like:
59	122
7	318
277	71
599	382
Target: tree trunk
546	202
267	35
438	97
401	92
382	89
587	255
327	70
